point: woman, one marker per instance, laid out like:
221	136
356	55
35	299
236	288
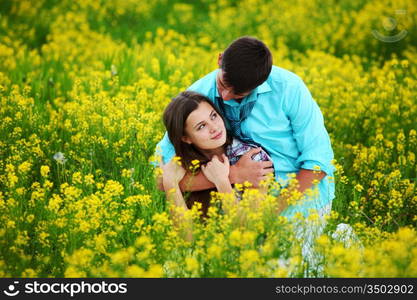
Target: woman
198	133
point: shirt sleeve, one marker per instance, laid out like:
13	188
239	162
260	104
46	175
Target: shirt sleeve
165	150
310	134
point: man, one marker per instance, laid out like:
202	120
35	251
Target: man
271	107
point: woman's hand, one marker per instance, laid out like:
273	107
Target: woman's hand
172	174
218	172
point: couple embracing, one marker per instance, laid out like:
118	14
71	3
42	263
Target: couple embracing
244	121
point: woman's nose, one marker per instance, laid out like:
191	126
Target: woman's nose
213	128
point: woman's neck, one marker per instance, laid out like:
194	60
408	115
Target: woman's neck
210	153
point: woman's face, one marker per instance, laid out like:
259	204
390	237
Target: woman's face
204	128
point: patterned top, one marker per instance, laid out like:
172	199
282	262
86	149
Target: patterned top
238	148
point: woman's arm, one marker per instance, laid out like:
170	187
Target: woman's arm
218	173
172	174
245	169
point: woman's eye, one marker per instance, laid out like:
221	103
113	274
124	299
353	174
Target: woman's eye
213	116
201	126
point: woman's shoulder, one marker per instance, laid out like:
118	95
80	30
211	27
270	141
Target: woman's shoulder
238	148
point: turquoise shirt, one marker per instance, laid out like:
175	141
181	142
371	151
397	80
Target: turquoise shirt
287	122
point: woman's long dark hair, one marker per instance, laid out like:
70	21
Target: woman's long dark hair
175	116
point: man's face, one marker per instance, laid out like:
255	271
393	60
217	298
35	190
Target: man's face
225	91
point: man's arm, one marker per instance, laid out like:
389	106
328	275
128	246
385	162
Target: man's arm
245	169
309	131
313	142
306	179
195	182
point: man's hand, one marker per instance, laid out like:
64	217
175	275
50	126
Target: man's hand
247	169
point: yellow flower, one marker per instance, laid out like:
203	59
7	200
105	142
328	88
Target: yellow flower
77	178
48	184
101	243
89	179
135	271
11	224
44	171
113	188
316	169
214	252
191	264
127	173
235	238
239	186
24	167
155	271
195	164
248	238
12	179
73	272
359	188
248	259
55	203
29	273
21	191
142	240
247	184
177	160
122	257
30	218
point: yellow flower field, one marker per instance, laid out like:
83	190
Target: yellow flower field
83	85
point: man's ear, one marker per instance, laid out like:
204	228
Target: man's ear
186	139
219	60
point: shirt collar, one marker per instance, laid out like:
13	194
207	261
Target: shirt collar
263	88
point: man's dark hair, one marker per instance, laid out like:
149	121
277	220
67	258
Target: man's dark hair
246	64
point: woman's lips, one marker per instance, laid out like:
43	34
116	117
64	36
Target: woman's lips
218	136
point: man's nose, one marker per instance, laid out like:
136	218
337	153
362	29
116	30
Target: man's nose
226	95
